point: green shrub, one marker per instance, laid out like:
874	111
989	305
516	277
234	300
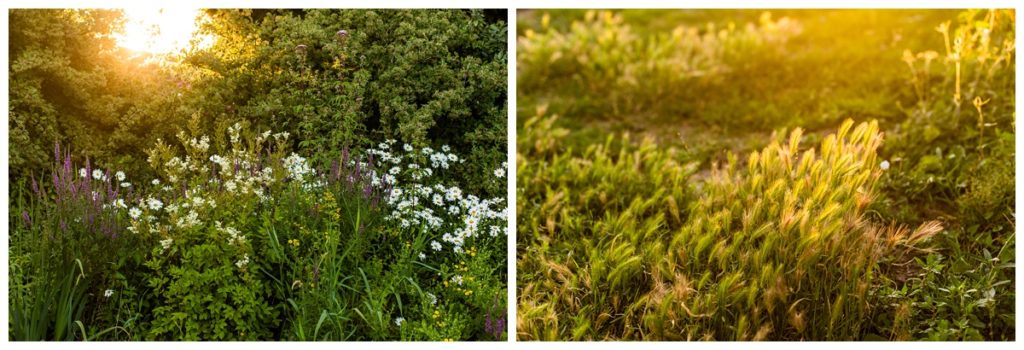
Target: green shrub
71	83
337	78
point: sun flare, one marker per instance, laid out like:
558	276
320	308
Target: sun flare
161	31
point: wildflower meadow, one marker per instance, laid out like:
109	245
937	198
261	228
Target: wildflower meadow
280	182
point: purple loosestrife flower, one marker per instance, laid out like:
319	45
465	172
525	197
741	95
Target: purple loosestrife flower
25	219
367	191
68	169
495	326
88	170
35	186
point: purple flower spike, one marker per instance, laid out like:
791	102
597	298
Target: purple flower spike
335	170
367	191
67	166
35	186
26	219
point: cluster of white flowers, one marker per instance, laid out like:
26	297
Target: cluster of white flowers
154	204
107	293
177	165
298	168
99	175
437	207
202	144
457	279
234	132
249	179
399	321
235	235
188	220
242	263
166	243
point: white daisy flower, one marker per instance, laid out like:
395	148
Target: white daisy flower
134	213
154	204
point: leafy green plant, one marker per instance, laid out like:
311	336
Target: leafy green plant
954	155
337	78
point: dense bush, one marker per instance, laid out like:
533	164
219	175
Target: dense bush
69	82
333	78
338	78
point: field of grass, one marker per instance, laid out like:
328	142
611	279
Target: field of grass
754	175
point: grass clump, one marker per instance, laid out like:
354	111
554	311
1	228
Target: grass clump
778	248
586	222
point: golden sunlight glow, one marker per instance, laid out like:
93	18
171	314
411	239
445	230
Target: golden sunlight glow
161	31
